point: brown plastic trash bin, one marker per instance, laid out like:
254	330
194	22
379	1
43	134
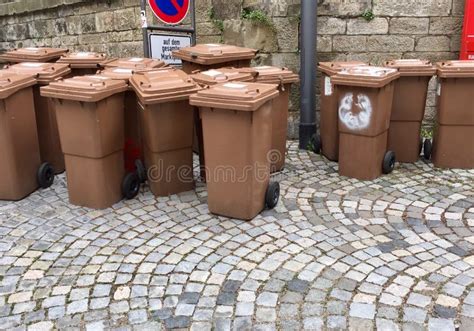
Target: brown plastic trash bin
133	144
409	102
365	106
167	122
327	141
33	54
284	78
237	130
91	126
135	63
83	63
48	135
203	57
453	143
209	78
21	170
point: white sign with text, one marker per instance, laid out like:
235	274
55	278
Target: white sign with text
162	47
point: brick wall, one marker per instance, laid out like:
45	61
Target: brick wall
405	28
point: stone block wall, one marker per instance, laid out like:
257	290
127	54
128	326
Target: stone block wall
428	29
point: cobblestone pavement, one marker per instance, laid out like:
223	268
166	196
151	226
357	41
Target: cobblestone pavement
395	253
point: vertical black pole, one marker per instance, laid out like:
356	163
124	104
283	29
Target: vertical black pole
193	21
309	13
146	46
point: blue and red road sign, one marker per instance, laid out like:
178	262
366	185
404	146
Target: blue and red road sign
170	11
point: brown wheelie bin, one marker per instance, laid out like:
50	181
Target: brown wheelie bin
91	125
135	63
365	106
48	135
209	78
33	54
83	63
167	122
133	145
284	78
409	103
327	141
453	143
21	170
237	129
203	57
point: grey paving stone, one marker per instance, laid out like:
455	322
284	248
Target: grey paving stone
297	285
177	322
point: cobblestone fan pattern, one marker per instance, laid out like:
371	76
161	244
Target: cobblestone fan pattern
335	254
428	29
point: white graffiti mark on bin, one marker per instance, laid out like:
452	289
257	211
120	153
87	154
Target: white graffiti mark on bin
355	120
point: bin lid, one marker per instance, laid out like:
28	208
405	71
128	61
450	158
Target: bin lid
33	54
84	88
366	76
163	85
275	75
235	96
117	73
332	68
44	72
412	67
456	69
222	75
208	54
135	63
83	59
11	82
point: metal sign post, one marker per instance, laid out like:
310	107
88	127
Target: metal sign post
159	40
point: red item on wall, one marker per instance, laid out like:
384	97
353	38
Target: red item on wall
467	47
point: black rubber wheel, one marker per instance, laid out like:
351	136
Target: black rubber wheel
130	186
388	162
273	195
141	171
45	175
427	149
316	143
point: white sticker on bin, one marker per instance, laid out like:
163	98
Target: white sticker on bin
438	88
123	71
31	65
136	59
212	73
32	48
234	85
263	67
83	54
213	45
327	86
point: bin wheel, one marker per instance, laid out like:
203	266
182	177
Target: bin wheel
316	143
130	186
388	162
427	149
141	171
273	195
45	175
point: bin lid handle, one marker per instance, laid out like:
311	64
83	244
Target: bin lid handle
253	92
5	80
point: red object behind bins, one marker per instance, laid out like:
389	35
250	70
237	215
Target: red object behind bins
467	47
